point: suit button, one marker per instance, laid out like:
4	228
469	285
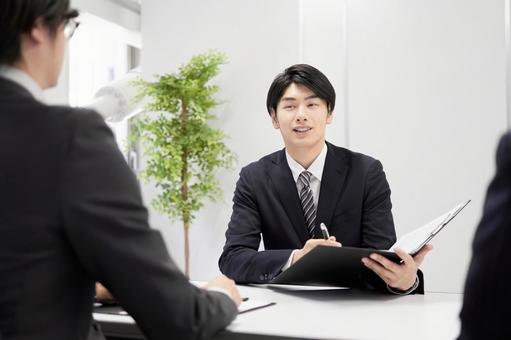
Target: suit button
261	277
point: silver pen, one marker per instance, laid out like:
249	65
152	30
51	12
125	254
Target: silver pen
324	231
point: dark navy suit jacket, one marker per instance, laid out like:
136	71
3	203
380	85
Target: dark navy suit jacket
487	300
71	214
354	203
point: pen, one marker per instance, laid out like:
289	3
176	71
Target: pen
324	231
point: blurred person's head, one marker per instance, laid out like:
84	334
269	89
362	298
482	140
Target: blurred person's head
33	37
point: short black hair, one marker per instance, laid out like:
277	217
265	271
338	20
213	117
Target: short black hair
305	75
19	16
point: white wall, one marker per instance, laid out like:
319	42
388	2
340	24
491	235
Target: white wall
421	86
427	96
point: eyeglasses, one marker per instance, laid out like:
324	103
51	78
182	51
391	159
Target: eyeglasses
70	28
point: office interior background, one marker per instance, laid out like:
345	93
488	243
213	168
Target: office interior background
423	86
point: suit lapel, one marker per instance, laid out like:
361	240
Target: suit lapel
332	184
285	186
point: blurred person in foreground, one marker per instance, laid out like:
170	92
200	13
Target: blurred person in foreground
71	211
486	301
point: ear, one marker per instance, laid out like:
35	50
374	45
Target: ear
329	117
274	119
38	33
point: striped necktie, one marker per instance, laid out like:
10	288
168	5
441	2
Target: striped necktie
306	198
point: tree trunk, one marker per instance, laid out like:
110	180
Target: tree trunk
186	227
185	214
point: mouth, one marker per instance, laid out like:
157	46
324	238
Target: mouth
302	129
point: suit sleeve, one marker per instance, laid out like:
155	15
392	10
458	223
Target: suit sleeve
107	227
377	222
484	314
240	259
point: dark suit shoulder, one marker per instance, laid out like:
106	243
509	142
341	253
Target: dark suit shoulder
504	151
78	117
73	122
264	164
15	98
56	119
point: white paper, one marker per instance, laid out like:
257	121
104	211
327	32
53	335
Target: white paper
412	241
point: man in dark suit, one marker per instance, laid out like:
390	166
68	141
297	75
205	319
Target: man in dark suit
71	211
286	195
487	299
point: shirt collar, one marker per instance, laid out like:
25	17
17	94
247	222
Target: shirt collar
24	80
316	168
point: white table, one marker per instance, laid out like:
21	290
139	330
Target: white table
343	314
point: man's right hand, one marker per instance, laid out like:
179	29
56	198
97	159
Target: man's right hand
223	282
313	243
102	294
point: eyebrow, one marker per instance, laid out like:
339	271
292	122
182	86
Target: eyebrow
289	99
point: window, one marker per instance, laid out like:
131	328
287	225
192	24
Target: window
101	52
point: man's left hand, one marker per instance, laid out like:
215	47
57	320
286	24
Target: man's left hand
398	276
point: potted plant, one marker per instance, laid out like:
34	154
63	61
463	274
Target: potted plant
183	150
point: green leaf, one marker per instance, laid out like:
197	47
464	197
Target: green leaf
184	151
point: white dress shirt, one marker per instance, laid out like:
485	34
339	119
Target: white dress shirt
316	170
21	78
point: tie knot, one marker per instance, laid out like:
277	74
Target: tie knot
305	178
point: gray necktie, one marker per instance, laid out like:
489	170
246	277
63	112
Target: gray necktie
306	198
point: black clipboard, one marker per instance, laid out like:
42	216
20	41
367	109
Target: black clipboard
331	266
343	267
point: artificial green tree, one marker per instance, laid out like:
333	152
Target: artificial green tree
182	149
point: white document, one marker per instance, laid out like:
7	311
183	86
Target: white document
413	241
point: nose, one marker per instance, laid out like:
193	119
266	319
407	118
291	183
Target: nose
301	114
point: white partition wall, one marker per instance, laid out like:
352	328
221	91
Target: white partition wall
326	50
427	97
421	86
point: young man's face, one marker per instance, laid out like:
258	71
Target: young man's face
301	117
